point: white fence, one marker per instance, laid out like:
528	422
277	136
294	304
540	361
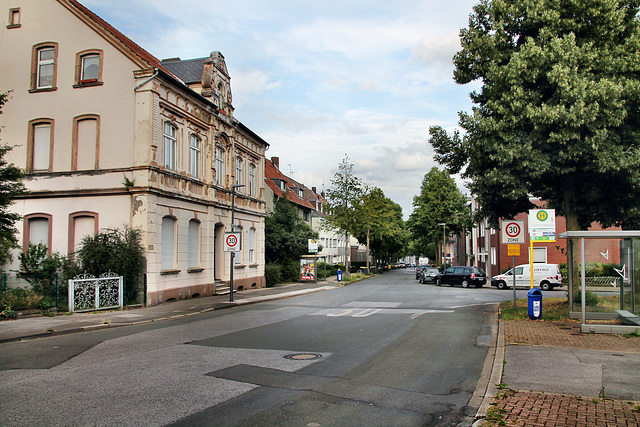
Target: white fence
88	293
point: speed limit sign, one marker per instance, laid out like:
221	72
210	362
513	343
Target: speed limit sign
232	242
512	232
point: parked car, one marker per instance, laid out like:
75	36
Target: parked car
545	276
429	274
464	276
402	265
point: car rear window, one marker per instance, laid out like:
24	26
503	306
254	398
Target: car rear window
478	271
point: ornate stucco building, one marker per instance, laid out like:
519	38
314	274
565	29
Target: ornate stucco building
109	135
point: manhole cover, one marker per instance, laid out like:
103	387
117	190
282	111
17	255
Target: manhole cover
303	356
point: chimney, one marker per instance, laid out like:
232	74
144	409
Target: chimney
276	162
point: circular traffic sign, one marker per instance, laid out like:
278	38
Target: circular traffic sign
512	229
231	240
542	215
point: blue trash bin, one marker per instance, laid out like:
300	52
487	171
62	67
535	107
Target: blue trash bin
339	275
535	303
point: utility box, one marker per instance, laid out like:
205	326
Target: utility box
535	303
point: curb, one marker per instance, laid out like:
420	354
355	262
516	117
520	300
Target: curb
494	374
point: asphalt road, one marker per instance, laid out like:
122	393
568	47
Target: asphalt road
385	351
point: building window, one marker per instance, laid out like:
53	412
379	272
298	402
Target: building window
168	242
14	18
237	259
252	180
195	156
170	146
40	145
219	166
86	143
81	224
251	244
239	171
88	68
37	229
493	256
194	244
305	215
44	67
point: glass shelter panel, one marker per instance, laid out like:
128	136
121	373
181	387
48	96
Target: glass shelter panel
607	266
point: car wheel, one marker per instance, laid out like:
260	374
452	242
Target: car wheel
465	284
545	286
438	282
502	285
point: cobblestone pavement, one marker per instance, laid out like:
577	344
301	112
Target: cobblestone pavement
531	408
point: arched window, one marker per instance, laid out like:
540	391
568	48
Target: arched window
168	243
251	244
170	146
40	145
194	243
44	64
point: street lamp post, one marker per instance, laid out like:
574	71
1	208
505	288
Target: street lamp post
233	254
444	237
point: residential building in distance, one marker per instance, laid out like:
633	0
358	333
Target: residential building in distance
109	136
311	207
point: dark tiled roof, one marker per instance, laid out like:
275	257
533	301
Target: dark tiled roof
189	70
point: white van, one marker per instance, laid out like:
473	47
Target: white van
545	276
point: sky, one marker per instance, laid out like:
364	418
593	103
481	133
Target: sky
321	80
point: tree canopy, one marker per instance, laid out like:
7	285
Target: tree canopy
380	224
10	186
286	233
557	116
439	202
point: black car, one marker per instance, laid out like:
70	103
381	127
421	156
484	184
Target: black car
464	276
429	275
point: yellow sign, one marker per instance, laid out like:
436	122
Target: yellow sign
513	250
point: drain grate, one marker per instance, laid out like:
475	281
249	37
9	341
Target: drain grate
303	356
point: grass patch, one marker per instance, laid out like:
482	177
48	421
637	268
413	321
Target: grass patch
553	309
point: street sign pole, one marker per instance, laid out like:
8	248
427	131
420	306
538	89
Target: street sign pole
513	236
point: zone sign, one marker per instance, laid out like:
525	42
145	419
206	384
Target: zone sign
512	232
232	242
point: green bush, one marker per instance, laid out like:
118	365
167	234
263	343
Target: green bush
8	313
591	299
21	299
272	274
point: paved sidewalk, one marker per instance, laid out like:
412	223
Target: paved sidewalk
553	375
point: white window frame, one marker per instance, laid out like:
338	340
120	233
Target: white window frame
194	150
84	65
252	179
239	170
49	63
219	166
170	145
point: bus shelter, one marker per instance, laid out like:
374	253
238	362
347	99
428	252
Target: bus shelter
604	280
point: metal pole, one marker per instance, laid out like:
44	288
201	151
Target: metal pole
583	282
233	254
233	208
513	272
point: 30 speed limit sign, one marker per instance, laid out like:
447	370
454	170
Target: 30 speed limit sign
512	232
232	242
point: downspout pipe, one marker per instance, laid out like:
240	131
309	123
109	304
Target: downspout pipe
135	89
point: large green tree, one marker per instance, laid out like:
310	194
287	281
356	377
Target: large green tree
558	112
439	202
342	198
10	186
379	224
286	233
